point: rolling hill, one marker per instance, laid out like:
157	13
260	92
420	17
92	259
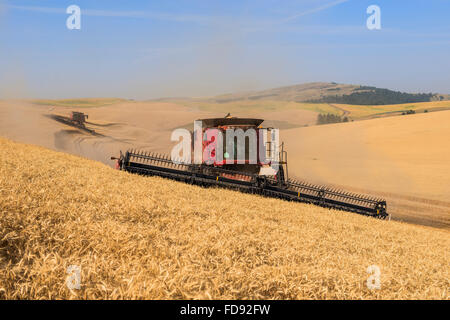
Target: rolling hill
331	92
138	237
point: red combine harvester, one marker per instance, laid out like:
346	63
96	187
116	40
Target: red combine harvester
266	175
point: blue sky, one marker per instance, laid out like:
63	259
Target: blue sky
150	49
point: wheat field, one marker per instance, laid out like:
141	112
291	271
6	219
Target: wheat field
147	238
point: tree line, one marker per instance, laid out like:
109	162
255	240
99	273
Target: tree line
375	96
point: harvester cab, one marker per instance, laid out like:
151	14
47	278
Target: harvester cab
247	147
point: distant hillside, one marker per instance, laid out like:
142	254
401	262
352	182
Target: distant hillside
300	92
323	92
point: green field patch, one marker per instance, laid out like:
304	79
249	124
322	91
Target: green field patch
80	103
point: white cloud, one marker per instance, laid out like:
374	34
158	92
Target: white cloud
314	10
123	14
169	16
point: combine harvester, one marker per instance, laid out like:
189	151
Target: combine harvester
241	175
76	119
